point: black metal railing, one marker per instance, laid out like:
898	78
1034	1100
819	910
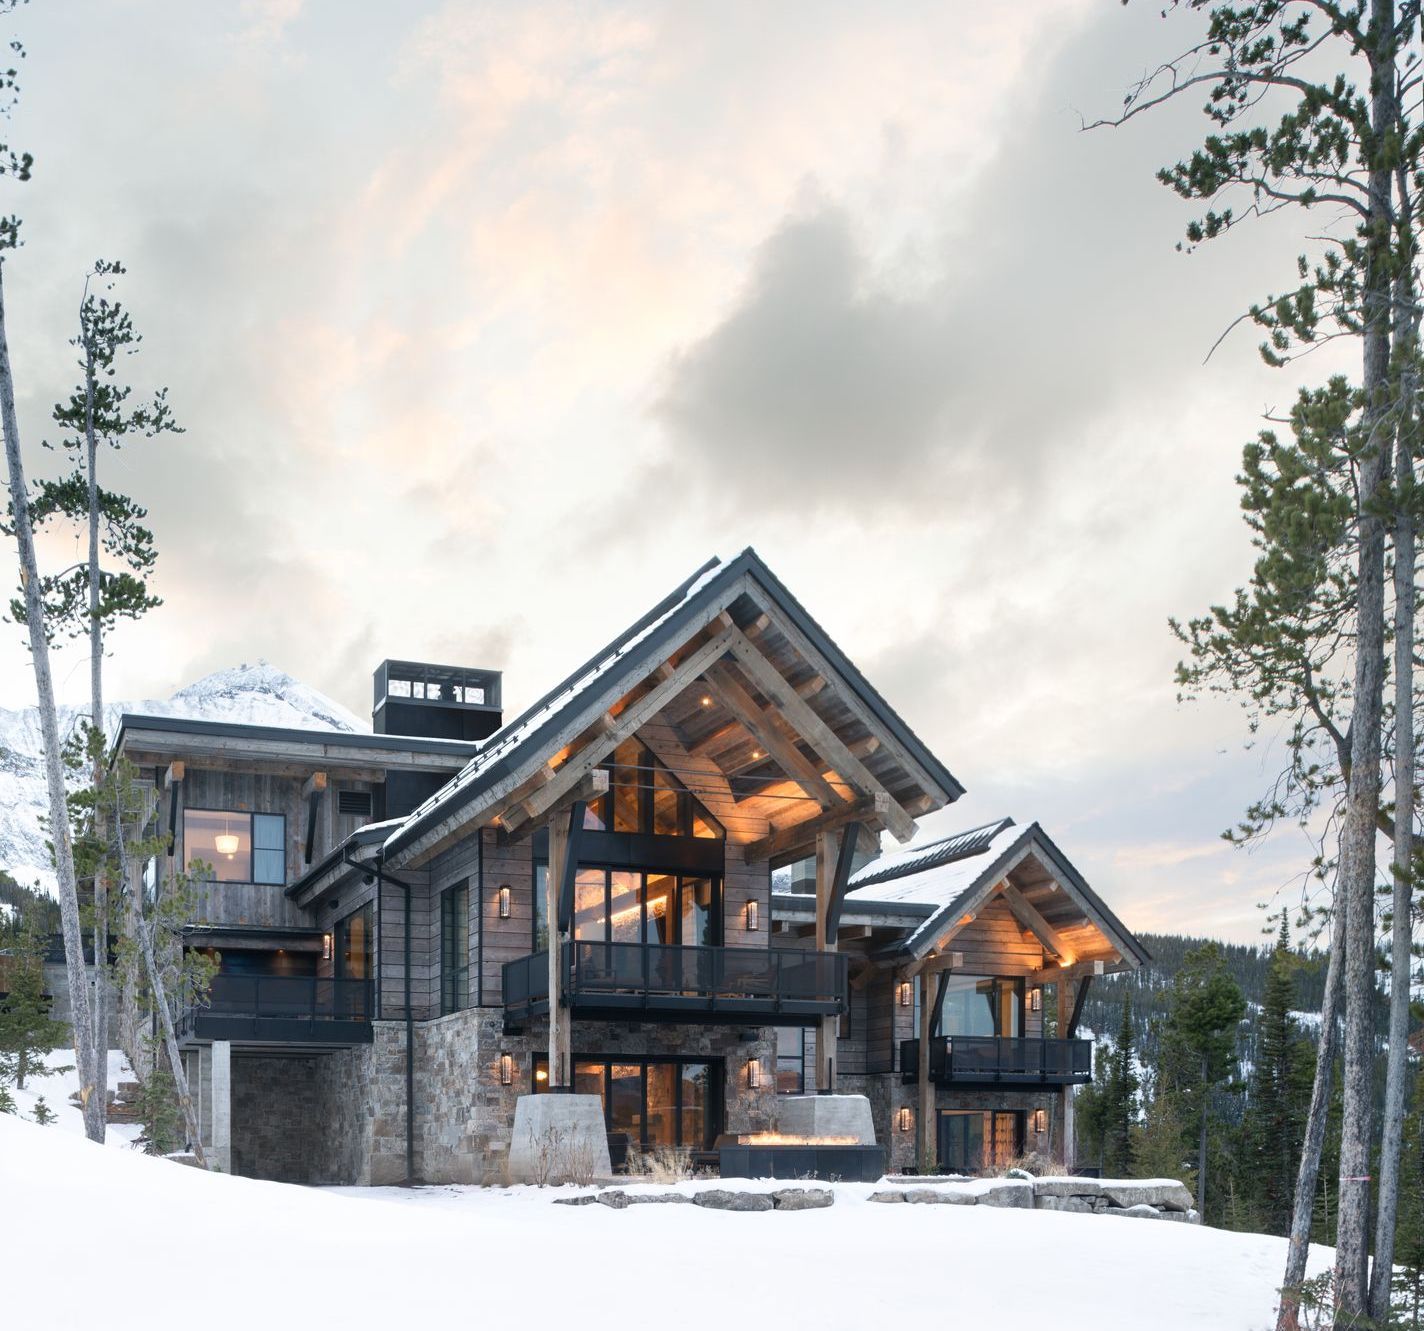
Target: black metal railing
281	1007
671	980
999	1058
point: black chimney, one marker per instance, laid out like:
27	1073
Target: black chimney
428	701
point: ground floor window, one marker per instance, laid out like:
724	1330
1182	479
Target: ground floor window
790	1060
650	1102
971	1141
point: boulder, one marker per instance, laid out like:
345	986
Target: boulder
802	1199
720	1199
888	1195
1141	1211
1067	1187
614	1197
1077	1205
587	1199
1009	1193
659	1198
1167	1193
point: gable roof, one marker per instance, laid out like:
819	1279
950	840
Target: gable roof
948	874
515	751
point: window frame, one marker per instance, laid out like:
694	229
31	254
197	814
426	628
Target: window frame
252	848
454	980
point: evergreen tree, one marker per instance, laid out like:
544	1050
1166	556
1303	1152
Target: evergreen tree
158	1108
1278	1096
27	1033
42	1113
1120	1101
1157	1143
1408	1284
1199	1044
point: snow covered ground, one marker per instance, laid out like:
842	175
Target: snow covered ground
243	1254
56	1087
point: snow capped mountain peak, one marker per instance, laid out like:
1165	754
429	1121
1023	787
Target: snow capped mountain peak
260	694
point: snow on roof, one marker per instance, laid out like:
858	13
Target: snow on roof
510	737
938	873
929	855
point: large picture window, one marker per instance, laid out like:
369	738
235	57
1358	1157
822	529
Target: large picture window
241	847
623	906
650	1102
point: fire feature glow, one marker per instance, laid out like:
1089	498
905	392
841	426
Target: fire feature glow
791	1139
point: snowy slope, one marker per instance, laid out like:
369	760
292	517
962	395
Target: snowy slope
260	695
251	1254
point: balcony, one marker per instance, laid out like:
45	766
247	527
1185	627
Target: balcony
661	982
980	1060
282	1010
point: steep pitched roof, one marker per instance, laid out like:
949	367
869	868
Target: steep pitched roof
527	740
949	874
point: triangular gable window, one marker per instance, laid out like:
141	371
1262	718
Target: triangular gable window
643	796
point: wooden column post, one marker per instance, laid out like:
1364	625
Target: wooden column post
924	1114
827	845
560	1025
1066	997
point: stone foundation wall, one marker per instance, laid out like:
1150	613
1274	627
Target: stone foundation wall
274	1117
359	1111
888	1094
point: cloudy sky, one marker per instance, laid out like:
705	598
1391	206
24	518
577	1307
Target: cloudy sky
489	323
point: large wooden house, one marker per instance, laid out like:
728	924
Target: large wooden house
662	884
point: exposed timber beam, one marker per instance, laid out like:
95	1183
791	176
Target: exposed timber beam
312	790
626	723
938	961
1080	998
587	789
723	737
173	778
817	733
817	661
762	726
786	839
845	856
1028	915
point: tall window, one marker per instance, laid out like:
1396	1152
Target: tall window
790	1060
982	1005
623	906
241	847
455	949
355	945
643	796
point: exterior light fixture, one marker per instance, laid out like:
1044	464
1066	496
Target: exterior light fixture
1040	1122
506	1069
326	947
1035	1000
756	753
707	700
754	1073
541	1074
753	915
504	902
906	993
905	1119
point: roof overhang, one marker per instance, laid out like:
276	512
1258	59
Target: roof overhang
734	639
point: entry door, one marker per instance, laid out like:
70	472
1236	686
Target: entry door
961	1142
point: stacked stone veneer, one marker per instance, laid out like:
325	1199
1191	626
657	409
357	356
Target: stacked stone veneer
340	1117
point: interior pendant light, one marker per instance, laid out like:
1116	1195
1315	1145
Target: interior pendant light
226	843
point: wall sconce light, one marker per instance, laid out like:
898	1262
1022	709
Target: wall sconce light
1040	1122
906	993
506	1069
541	1074
754	1073
905	1119
326	947
504	902
1035	1000
753	915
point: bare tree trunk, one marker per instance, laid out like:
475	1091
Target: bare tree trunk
170	1041
1201	1147
1289	1317
1357	838
91	1088
96	701
1402	940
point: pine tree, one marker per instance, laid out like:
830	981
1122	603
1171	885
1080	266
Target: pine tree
1120	1100
158	1108
27	1033
1408	1283
1157	1143
42	1113
1199	1043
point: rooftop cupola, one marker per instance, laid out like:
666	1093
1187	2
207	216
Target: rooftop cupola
417	698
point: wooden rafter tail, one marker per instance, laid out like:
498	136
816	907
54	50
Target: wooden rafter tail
587	789
865	811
